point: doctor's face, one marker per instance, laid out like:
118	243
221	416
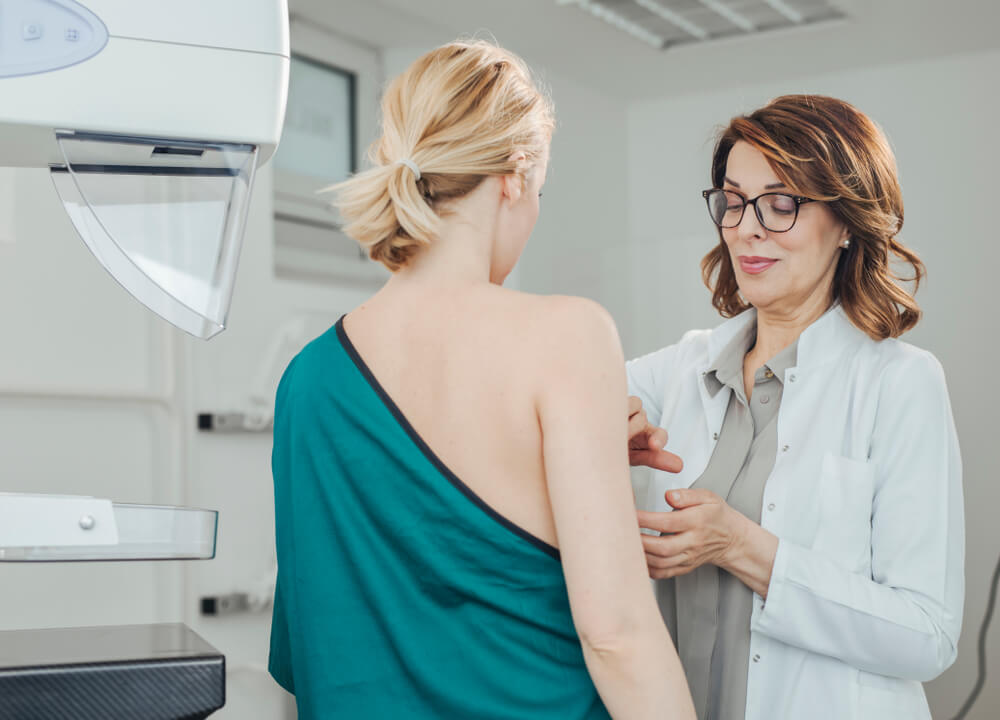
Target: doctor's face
779	271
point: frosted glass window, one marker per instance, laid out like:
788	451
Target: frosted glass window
318	137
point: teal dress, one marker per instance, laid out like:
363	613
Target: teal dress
400	592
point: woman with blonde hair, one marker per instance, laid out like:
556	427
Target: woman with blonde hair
812	563
456	533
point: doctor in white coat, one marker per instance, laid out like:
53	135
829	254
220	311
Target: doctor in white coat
809	555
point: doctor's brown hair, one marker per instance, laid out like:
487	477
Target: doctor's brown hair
827	150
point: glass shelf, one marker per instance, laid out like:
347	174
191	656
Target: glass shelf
145	532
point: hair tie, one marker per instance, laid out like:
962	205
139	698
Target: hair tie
412	165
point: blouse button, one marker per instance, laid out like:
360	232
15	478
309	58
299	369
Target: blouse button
768	374
765	400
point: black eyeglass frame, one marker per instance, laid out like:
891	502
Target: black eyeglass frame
799	200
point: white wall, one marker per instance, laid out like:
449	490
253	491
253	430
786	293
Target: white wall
580	244
941	120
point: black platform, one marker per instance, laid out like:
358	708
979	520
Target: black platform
126	672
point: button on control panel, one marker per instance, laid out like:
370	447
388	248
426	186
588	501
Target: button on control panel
32	31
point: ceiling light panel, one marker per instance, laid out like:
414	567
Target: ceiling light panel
664	23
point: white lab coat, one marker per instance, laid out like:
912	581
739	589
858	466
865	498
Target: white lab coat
865	600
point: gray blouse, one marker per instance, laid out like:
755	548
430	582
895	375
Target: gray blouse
708	610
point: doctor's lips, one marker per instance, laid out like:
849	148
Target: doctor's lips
753	265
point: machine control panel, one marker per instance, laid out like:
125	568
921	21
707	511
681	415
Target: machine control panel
43	35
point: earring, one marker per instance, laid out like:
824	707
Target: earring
846	244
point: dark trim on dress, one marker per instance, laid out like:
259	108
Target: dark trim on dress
429	454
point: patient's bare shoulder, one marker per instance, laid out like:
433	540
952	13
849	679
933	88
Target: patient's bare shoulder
563	330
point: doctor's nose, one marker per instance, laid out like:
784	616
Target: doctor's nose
750	227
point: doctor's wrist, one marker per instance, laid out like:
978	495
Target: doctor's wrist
741	531
750	556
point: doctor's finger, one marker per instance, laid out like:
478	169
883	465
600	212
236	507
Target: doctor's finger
634	405
689	497
651	520
639	427
658	562
656	459
666	522
666	546
656	437
670	572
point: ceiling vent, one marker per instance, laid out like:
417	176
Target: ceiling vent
666	23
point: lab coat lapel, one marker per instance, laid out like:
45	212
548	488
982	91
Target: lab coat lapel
715	407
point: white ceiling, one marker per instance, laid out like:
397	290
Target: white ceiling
564	41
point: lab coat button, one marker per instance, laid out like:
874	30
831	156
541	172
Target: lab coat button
784	448
771	506
715	436
791	378
756	658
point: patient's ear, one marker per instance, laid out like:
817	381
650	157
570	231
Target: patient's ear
513	184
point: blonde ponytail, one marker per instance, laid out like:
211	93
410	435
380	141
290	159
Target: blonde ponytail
458	114
386	213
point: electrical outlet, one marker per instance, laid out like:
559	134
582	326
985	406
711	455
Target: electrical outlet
230	604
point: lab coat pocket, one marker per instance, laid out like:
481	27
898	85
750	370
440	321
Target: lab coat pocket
845	512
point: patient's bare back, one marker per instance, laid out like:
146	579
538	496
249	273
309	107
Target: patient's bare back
466	368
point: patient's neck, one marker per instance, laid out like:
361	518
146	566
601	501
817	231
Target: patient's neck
459	256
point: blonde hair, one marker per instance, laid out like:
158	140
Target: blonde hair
458	113
828	150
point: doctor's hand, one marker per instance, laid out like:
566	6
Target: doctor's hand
703	529
646	441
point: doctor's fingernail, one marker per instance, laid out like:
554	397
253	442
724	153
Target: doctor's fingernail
675	495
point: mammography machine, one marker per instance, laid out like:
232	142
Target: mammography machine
152	118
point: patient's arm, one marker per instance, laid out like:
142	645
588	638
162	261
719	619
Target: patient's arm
582	409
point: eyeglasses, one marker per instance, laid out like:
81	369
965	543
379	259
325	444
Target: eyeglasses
777	212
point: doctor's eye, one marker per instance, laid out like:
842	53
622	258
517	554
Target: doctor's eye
782	204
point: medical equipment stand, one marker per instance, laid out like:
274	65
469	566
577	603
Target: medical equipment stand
131	672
